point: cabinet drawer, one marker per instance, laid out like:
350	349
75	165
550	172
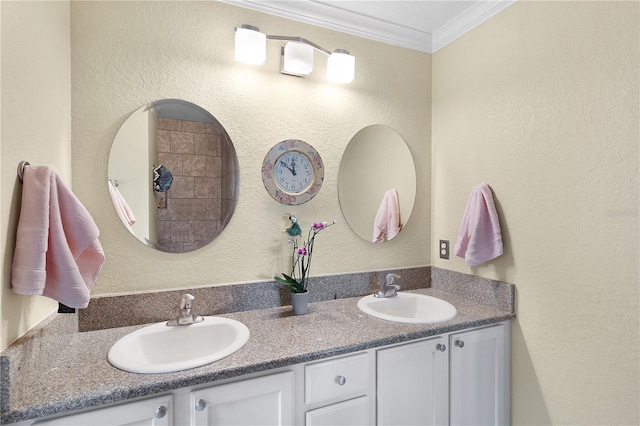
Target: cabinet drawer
339	378
354	412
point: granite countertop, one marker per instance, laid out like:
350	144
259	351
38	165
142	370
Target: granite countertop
58	369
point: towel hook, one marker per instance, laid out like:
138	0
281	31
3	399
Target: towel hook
21	167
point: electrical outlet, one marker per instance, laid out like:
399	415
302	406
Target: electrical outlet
444	249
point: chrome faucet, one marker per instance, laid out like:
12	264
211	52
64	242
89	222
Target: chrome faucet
185	317
388	288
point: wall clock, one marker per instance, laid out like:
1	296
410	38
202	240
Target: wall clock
292	172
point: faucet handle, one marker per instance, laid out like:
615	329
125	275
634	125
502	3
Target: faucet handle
390	278
186	301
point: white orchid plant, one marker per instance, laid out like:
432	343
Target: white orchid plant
298	279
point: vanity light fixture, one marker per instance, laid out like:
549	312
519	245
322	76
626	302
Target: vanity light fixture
251	45
296	55
341	66
297	58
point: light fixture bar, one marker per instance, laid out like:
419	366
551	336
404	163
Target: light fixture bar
299	40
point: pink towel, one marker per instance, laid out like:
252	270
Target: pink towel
57	253
479	238
387	223
122	208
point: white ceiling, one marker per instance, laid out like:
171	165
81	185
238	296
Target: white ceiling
424	25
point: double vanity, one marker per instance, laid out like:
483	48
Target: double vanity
334	365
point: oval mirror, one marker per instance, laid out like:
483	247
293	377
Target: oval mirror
377	183
173	176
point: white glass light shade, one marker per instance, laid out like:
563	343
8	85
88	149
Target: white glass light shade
341	67
251	45
298	58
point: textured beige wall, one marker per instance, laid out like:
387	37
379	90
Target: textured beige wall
541	103
36	126
125	54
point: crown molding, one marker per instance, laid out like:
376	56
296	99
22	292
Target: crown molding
334	18
466	21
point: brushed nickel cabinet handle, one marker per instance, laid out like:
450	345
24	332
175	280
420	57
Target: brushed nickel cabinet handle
161	412
201	405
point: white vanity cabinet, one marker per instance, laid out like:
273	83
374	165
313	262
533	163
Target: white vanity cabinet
340	391
266	400
156	411
480	377
459	378
413	383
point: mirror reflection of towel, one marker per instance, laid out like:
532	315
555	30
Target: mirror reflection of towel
122	208
479	237
387	223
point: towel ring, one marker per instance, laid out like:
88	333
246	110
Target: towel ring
21	167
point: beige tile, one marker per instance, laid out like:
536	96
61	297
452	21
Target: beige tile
213	208
164	231
173	162
182	232
206	231
182	142
214	129
171	247
229	158
193	126
229	186
184	209
214	166
182	187
164	141
194	165
165	213
169	124
195	245
207	144
206	187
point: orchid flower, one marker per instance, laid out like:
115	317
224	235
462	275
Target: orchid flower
301	260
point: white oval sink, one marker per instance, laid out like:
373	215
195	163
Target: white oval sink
409	308
161	349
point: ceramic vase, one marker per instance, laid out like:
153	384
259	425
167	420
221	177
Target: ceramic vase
300	302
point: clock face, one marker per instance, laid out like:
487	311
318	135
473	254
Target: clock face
292	172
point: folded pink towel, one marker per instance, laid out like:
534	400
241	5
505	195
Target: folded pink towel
122	207
387	223
57	252
479	238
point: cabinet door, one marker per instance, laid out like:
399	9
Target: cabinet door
264	401
355	412
413	384
479	377
150	412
